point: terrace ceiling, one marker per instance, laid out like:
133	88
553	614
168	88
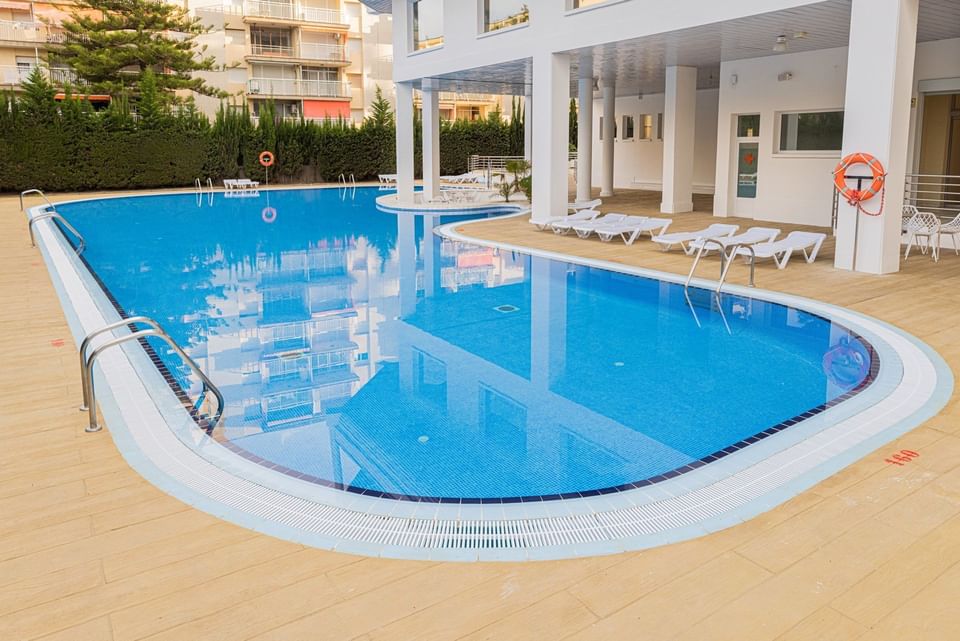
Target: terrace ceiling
639	65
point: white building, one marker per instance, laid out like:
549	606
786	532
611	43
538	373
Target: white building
754	101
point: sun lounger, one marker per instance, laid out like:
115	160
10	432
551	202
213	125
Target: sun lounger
583	214
585	204
586	228
682	238
632	227
752	236
780	250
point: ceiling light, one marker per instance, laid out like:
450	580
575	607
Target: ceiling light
781	44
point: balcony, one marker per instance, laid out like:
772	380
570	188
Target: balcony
29	32
306	51
298	87
11	75
292	11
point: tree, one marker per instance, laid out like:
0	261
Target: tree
573	124
111	44
381	113
151	111
39	102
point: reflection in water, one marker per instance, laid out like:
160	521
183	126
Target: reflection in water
356	348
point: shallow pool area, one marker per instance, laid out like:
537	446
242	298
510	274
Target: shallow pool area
466	399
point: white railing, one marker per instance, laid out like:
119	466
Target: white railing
15	75
29	32
292	11
279	51
451	96
320	51
934	193
298	87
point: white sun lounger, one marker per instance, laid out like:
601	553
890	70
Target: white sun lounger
586	228
631	228
682	238
586	204
583	214
752	236
780	250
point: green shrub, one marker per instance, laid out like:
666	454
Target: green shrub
70	147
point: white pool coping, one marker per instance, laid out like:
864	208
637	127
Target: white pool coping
159	440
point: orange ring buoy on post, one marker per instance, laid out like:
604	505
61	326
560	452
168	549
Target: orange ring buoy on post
268	215
857	196
266	158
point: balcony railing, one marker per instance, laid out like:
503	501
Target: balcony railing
292	11
933	193
16	75
320	51
11	30
307	50
298	87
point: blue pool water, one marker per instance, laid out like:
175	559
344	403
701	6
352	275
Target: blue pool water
357	349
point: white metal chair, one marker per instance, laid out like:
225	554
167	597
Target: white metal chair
908	212
926	226
950	229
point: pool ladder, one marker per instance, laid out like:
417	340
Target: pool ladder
87	362
52	214
347	184
725	261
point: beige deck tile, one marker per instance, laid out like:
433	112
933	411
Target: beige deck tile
826	624
680	603
43	588
901	577
562	611
95	630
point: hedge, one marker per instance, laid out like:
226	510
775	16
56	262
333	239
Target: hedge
74	148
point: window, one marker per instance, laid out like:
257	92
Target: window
811	131
427	23
646	126
579	4
270	42
498	14
628	127
748	126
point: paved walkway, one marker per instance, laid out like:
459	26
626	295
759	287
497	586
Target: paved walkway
89	550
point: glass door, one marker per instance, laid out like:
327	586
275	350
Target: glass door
747	146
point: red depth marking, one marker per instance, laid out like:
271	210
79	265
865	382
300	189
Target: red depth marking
58	342
902	457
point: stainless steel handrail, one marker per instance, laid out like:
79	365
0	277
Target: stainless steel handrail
733	254
53	214
91	396
133	320
696	261
35	191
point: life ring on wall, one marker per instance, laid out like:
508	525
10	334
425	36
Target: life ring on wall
269	214
856	197
266	158
845	365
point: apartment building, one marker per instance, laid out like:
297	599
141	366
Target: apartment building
752	101
27	29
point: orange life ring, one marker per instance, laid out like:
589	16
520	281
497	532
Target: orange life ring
266	158
857	196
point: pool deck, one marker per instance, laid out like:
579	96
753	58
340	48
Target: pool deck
89	550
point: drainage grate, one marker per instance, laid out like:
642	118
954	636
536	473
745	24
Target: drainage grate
506	309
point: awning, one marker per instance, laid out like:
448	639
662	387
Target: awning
76	96
16	6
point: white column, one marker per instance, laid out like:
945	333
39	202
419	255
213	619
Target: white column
551	111
585	129
883	43
609	122
548	321
528	124
431	141
405	159
679	119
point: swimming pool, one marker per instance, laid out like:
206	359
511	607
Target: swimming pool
364	357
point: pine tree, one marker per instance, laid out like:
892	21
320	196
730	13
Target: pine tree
381	113
39	102
111	44
573	124
149	107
